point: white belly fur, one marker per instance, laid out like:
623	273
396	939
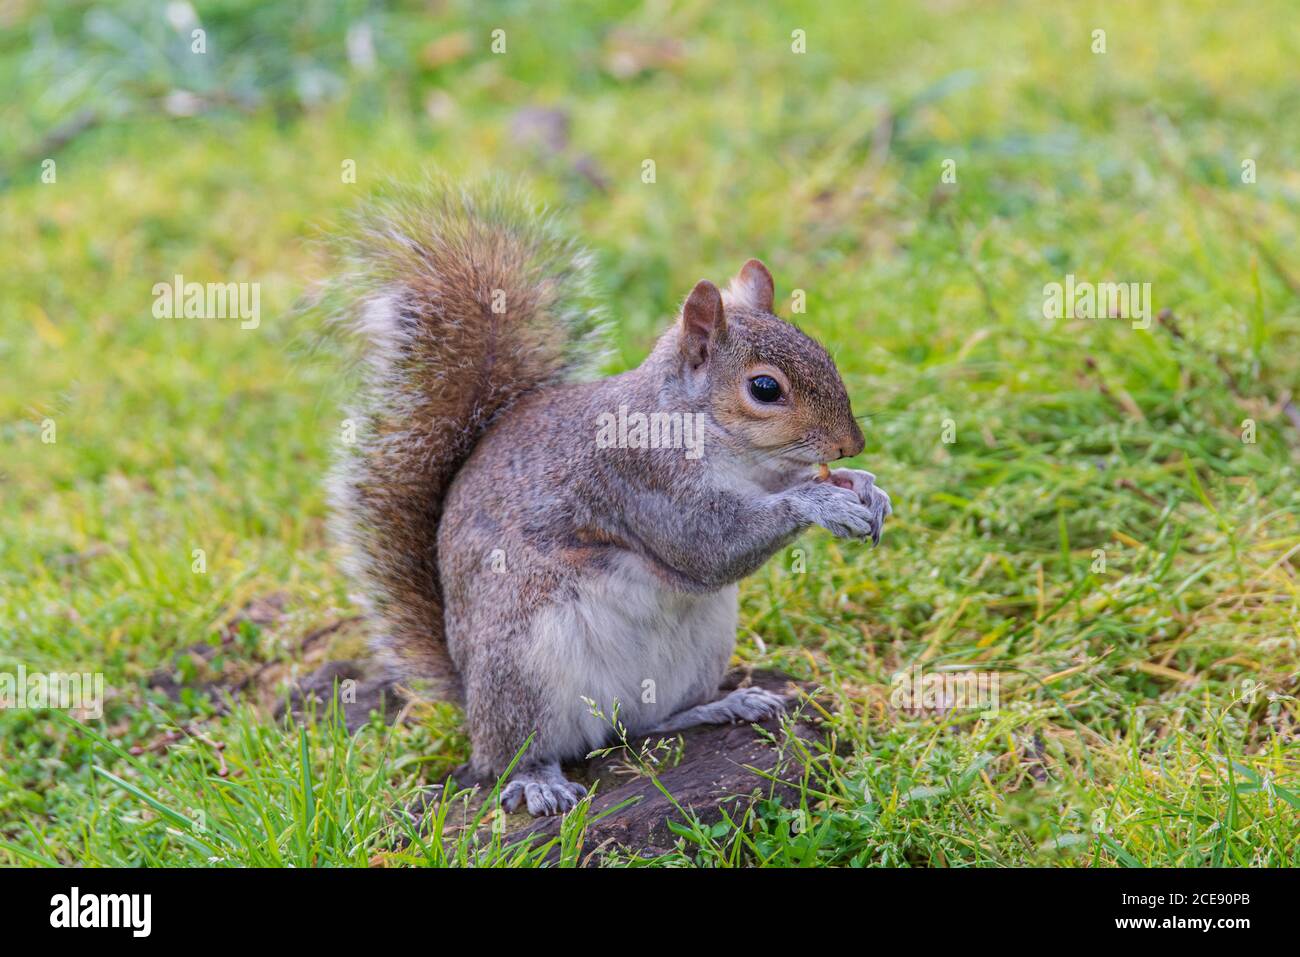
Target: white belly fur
628	638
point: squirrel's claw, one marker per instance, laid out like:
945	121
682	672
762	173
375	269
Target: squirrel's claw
543	790
883	508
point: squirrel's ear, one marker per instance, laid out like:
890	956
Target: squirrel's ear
703	322
753	287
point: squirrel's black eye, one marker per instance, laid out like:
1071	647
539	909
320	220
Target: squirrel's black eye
764	388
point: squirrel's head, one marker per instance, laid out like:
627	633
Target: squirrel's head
770	387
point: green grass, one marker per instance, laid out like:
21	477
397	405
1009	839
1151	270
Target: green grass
1128	732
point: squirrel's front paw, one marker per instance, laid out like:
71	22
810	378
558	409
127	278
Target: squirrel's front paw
847	504
544	790
863	485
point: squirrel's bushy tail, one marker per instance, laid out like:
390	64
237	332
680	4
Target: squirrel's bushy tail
464	300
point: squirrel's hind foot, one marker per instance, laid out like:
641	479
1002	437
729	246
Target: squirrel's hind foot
543	789
745	705
742	705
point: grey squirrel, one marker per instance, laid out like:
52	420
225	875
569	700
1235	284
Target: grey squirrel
515	563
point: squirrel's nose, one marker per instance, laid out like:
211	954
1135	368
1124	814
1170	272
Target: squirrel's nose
851	445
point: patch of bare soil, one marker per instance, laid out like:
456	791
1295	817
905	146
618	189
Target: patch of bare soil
709	769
